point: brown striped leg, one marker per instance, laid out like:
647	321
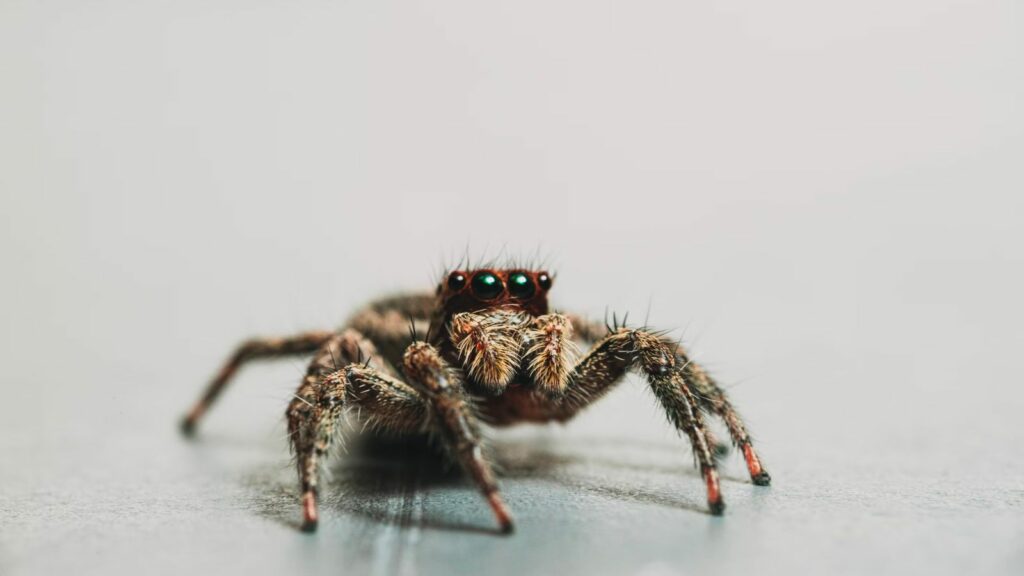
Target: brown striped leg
313	413
606	364
454	421
251	350
432	401
714	399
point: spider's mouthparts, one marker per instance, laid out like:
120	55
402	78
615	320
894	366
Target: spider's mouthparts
488	345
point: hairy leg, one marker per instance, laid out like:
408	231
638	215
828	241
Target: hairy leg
250	350
709	394
432	401
318	403
606	364
454	421
713	398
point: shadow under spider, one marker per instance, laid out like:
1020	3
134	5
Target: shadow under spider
379	477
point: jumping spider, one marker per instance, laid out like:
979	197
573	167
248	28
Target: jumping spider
492	353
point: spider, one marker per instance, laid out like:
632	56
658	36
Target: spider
492	353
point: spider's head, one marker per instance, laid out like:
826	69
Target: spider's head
487	315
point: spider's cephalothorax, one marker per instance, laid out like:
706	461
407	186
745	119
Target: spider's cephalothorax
491	352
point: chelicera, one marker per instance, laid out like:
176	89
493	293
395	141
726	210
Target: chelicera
482	348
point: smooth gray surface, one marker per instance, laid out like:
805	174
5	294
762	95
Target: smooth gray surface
827	198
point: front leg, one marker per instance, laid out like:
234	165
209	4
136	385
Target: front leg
606	364
709	394
432	400
454	421
317	406
713	397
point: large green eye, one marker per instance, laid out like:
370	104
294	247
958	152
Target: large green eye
486	286
520	285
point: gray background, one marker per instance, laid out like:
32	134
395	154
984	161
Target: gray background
826	197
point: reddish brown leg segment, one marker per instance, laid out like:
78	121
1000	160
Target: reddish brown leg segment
501	512
757	473
715	503
310	518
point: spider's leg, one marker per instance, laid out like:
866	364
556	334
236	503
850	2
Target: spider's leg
606	364
320	399
251	350
713	398
455	421
434	401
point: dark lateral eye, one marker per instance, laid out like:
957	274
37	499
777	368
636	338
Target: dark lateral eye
520	285
544	280
456	281
486	285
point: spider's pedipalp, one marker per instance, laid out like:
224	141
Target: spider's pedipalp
488	345
549	352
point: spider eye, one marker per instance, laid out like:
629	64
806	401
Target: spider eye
486	286
520	285
544	280
456	281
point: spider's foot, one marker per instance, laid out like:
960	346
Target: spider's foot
189	422
188	426
715	503
758	474
309	513
501	512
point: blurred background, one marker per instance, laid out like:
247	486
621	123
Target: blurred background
824	200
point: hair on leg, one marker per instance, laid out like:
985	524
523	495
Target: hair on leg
455	423
432	401
606	364
714	399
318	403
